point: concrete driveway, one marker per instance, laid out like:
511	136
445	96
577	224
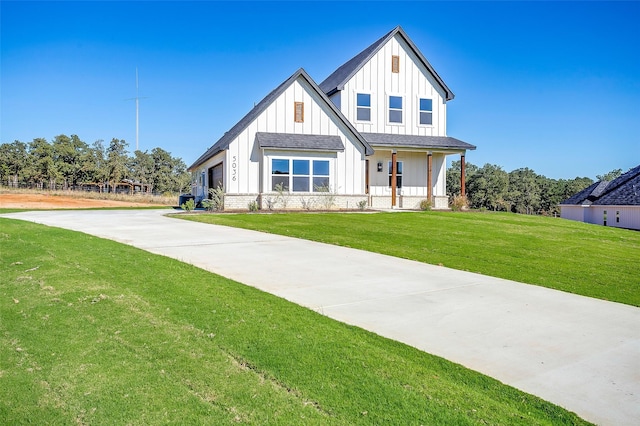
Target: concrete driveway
580	353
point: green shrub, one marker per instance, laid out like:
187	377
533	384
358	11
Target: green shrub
459	202
189	205
253	206
216	198
425	205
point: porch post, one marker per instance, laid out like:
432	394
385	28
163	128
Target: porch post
394	171
463	190
429	181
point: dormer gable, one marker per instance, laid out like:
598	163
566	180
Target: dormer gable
337	80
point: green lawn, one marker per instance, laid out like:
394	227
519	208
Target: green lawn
95	332
571	256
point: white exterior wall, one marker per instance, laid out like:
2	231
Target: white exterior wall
572	213
414	176
617	216
245	172
201	190
412	82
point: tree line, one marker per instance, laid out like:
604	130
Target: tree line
69	163
519	191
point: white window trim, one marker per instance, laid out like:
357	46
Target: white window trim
290	158
418	111
404	109
355	106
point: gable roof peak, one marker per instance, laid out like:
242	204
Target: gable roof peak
336	81
228	137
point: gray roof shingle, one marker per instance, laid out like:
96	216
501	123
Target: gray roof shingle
298	142
622	191
339	77
410	141
228	137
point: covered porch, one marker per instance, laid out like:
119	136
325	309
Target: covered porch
405	170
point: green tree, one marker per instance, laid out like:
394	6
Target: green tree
169	173
68	153
41	167
524	191
94	164
551	194
453	177
616	173
13	162
116	162
141	168
488	188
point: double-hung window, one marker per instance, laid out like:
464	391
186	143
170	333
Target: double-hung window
299	175
395	109
398	174
426	111
363	107
280	174
320	176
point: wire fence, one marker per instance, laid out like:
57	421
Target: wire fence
94	191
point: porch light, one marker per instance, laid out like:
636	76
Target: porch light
379	166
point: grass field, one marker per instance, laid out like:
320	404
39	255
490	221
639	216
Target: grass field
571	256
95	332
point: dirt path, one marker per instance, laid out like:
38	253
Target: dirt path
46	201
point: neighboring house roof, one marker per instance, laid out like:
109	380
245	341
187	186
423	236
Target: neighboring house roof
410	141
228	137
622	191
342	75
297	142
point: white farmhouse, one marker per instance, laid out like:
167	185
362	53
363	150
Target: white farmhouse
374	131
615	203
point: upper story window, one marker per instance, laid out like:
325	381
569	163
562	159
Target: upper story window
395	64
300	175
298	112
363	107
426	111
395	109
398	174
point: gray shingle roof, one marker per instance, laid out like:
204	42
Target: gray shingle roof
339	77
410	141
581	197
228	137
293	141
622	191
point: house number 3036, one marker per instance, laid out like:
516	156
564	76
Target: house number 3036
234	168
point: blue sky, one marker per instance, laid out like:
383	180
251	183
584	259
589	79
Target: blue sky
553	86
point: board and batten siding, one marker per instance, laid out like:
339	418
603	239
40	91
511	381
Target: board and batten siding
249	175
412	82
414	176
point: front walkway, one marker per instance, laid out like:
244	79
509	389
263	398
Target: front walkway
578	352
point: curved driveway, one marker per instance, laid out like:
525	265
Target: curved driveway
578	352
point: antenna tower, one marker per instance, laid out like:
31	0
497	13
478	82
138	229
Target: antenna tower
137	99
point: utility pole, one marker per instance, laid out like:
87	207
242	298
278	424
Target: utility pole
137	99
